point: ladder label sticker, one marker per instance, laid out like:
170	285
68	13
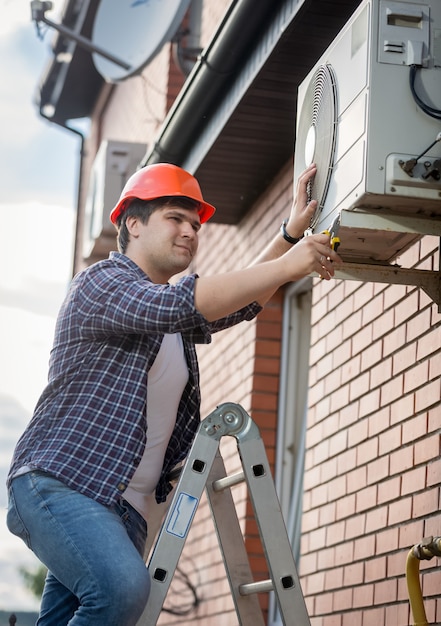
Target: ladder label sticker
182	515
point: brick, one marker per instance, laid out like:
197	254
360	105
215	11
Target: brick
397	614
367	450
357	479
353	574
375	569
376	519
387	541
363	596
401	511
390	440
392	390
394	340
389	490
355	526
342	354
403	359
378	470
364	547
414	428
429	344
407	309
338	442
352	325
418	325
332	620
396	564
401	460
370	403
323	603
415	377
358	432
379	421
326	561
345	506
414	480
366	498
362	339
348	415
315	583
385	591
372	355
402	409
381	372
411	533
342	600
434	473
328	470
428	396
435	365
426	503
372	309
428	449
339	398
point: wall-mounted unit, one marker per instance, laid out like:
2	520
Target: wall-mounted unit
115	161
369	115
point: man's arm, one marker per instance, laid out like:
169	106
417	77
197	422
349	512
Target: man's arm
279	263
219	295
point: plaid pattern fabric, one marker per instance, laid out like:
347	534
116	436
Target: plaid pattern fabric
89	425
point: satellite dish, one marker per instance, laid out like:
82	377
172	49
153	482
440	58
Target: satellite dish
133	31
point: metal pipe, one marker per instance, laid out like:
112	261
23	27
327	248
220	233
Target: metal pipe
427	549
414	589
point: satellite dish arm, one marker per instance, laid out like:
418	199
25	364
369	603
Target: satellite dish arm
38	9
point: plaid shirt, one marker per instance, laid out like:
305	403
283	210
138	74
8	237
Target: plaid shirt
89	425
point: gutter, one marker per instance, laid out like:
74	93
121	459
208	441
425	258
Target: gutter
208	83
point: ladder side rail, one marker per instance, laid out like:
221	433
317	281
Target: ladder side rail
174	531
273	533
232	546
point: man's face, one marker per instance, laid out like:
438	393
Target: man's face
167	243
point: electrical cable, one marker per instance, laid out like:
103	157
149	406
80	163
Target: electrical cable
435	113
191	604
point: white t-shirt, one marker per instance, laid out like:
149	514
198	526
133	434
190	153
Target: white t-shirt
166	382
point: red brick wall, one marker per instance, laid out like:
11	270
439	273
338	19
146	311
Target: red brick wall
373	444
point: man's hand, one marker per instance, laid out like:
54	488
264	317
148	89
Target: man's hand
302	211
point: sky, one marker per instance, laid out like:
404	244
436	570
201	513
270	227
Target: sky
39	165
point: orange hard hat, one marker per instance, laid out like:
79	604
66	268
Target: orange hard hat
157	181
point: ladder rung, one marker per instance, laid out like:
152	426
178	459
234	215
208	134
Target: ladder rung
262	586
228	481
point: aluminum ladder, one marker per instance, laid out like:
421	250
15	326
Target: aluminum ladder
205	469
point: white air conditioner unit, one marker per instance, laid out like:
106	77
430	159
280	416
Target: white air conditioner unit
114	163
369	116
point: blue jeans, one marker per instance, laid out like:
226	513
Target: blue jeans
93	553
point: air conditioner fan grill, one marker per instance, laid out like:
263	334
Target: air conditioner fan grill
316	134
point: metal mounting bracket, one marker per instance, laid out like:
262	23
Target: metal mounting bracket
429	281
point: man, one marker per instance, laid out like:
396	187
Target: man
121	407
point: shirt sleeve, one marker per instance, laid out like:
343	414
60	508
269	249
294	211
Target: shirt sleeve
111	301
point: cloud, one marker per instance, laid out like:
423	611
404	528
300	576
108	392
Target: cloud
39	160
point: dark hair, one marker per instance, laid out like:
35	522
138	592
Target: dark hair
143	209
